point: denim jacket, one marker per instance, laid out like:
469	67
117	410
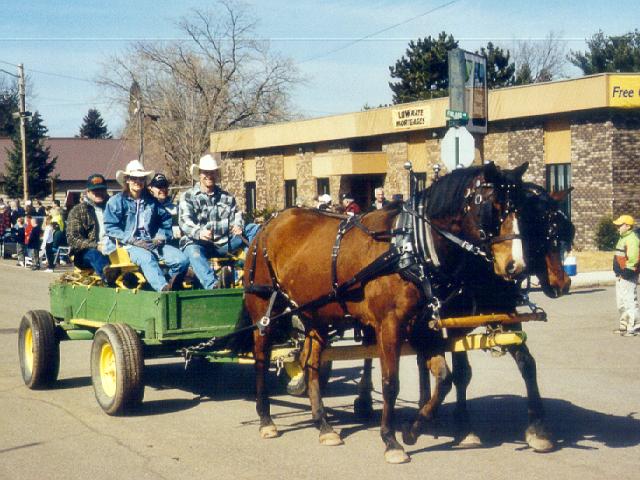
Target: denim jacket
120	220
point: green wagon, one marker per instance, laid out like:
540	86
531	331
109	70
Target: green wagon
128	326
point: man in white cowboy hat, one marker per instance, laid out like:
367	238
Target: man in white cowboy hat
136	220
209	219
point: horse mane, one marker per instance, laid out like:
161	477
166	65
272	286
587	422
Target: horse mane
446	196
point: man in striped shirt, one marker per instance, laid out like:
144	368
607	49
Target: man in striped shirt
210	222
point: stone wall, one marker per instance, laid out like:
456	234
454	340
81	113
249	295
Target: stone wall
397	178
305	182
625	154
526	144
232	179
591	199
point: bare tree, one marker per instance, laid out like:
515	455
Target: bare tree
541	60
218	78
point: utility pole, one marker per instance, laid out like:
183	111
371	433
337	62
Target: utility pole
23	131
22	115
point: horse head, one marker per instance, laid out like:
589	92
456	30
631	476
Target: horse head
496	205
547	232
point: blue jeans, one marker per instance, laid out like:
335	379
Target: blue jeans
92	258
199	255
173	258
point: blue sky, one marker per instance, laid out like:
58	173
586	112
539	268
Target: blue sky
62	42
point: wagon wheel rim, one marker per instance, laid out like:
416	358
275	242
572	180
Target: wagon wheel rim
108	373
28	349
294	370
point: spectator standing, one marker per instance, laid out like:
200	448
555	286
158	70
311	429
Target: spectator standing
56	215
16	211
47	243
380	200
350	205
32	241
5	224
18	230
625	266
40	210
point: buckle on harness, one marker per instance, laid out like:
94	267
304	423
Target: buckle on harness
262	324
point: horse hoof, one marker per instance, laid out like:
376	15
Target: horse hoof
362	408
408	438
330	439
268	431
470	441
539	442
396	456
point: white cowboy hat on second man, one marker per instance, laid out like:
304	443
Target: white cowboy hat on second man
133	169
208	162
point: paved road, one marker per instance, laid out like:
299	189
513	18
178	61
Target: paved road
204	426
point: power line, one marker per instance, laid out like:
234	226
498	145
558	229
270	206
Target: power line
439	7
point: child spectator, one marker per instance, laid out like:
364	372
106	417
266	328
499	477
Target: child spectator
47	243
32	242
18	230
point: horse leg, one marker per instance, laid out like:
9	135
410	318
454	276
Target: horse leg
262	356
314	342
363	404
536	434
461	379
437	364
389	345
423	379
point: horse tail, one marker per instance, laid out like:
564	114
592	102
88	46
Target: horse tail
242	341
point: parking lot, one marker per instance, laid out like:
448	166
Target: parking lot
202	424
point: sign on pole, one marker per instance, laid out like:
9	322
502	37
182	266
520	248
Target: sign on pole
468	88
457	148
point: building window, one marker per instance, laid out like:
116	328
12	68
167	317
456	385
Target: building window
558	178
250	197
290	193
323	186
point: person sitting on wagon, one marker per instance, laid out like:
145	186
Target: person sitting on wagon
137	221
159	188
85	228
210	222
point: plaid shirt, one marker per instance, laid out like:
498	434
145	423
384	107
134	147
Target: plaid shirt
216	212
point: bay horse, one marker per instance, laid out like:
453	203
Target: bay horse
339	272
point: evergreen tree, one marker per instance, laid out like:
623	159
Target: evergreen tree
424	72
609	54
93	126
39	167
500	70
8	105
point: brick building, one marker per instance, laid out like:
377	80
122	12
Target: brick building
583	133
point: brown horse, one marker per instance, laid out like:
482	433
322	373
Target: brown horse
335	271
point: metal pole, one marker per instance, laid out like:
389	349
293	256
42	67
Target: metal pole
141	127
23	133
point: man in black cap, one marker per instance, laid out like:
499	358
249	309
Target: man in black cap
159	188
85	227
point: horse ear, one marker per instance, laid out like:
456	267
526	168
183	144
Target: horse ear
490	172
519	171
561	195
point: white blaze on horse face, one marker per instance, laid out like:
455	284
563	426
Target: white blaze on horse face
517	252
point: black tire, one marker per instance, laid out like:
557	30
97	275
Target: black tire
38	349
297	385
117	368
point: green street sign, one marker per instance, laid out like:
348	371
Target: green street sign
457	115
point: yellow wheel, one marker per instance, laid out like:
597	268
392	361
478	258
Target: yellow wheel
108	374
38	349
117	367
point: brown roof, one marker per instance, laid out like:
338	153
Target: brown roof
80	157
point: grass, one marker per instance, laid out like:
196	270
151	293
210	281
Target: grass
593	261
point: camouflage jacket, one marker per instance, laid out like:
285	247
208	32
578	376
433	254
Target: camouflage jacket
82	227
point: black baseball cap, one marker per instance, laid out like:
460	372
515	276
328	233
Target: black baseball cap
96	182
159	181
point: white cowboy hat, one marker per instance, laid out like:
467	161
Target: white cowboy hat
325	198
208	162
134	169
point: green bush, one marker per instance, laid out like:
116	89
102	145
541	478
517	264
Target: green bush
606	234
